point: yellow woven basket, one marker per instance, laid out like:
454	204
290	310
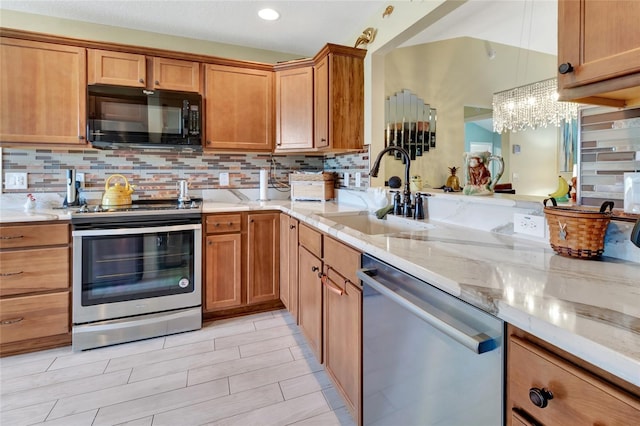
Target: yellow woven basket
577	233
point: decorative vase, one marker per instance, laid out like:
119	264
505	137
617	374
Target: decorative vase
452	181
478	179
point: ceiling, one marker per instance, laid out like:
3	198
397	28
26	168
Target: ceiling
305	25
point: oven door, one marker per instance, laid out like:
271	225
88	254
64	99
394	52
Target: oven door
125	272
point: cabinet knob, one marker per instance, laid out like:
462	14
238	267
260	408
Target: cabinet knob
141	80
565	68
314	269
540	397
217	224
208	142
292	227
157	83
230	223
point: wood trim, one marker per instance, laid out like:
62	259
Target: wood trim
148	51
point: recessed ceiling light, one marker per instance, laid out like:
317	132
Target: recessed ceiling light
268	14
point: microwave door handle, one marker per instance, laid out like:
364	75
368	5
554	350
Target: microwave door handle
185	118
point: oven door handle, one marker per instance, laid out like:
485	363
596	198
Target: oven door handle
128	231
478	343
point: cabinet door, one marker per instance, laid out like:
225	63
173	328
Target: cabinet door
343	337
33	317
343	321
239	108
42	92
600	39
310	300
289	263
293	267
21	274
263	250
284	260
321	102
294	109
173	74
223	274
117	68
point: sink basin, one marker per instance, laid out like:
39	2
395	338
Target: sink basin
371	225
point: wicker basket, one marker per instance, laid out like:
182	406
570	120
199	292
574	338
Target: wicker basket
577	233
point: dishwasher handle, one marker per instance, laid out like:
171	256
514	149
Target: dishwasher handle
478	343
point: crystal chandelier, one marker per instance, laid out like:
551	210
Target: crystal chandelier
534	105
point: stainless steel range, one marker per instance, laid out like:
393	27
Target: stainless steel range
136	271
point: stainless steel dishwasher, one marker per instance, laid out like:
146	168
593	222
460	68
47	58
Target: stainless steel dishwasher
428	357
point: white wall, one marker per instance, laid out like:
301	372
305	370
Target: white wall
537	163
95	32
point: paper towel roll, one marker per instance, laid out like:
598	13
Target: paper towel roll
264	183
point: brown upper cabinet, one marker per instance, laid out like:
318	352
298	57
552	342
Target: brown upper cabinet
339	98
599	52
320	102
129	69
42	92
238	108
294	107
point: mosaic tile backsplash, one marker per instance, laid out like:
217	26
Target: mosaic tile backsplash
609	147
155	173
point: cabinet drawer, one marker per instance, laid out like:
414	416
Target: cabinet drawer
34	235
310	239
24	271
219	223
578	396
342	258
31	317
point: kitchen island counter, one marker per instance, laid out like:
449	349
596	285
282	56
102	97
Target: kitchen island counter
589	308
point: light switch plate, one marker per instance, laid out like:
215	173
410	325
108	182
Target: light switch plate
529	225
358	179
224	179
346	179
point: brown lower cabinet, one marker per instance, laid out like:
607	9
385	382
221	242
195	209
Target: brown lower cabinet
240	263
330	310
343	322
35	287
547	386
289	263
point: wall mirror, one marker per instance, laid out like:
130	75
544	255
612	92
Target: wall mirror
459	76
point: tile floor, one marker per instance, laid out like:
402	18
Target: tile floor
253	370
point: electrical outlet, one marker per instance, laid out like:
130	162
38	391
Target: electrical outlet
224	179
529	225
80	178
15	181
358	179
346	179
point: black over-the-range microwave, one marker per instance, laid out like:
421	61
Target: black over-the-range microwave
135	117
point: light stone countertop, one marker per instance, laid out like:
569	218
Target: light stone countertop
590	308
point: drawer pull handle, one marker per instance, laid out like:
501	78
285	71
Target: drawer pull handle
540	397
14	237
11	321
325	282
11	274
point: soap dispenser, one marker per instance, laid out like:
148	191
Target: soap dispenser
418	213
397	203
